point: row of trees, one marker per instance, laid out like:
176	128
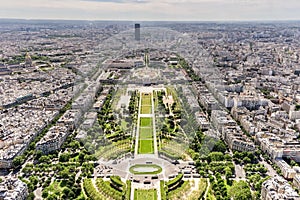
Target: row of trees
107	121
133	103
219	187
245	157
189	70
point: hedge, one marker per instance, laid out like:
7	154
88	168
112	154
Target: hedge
174	182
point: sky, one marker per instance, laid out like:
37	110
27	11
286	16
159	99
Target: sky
152	10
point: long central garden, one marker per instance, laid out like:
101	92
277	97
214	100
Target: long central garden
146	144
146	136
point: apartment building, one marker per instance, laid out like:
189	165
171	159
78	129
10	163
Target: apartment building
53	139
11	188
277	188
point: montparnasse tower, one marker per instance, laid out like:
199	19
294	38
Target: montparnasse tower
137	33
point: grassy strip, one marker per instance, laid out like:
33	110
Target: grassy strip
174	182
146	122
146	100
145	194
180	192
91	191
198	194
116	180
128	190
109	192
146	133
146	110
146	147
163	191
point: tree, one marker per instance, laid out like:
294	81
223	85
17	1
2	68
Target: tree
45	194
38	154
64	174
81	157
64	157
293	163
44	159
246	160
220	147
52	197
18	160
68	192
74	144
216	156
30	196
228	172
227	157
34	180
240	191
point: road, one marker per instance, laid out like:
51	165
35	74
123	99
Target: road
239	172
271	172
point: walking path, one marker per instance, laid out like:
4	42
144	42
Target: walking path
154	127
136	149
207	189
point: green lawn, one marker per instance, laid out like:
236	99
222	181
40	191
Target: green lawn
146	147
146	122
146	100
134	169
124	124
56	188
146	110
145	133
145	194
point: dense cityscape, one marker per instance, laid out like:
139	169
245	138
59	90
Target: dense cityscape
150	110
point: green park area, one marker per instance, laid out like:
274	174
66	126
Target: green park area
146	133
146	147
146	106
146	122
146	99
145	194
146	109
145	136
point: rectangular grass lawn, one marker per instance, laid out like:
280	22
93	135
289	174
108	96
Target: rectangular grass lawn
146	133
146	147
146	109
146	122
145	194
146	100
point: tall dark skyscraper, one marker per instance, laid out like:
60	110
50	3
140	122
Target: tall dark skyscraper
137	32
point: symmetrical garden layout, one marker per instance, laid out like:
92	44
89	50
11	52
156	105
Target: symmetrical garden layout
146	131
145	175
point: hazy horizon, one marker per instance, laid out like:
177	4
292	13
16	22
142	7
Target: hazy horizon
152	10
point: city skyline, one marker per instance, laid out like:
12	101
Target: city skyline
152	10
